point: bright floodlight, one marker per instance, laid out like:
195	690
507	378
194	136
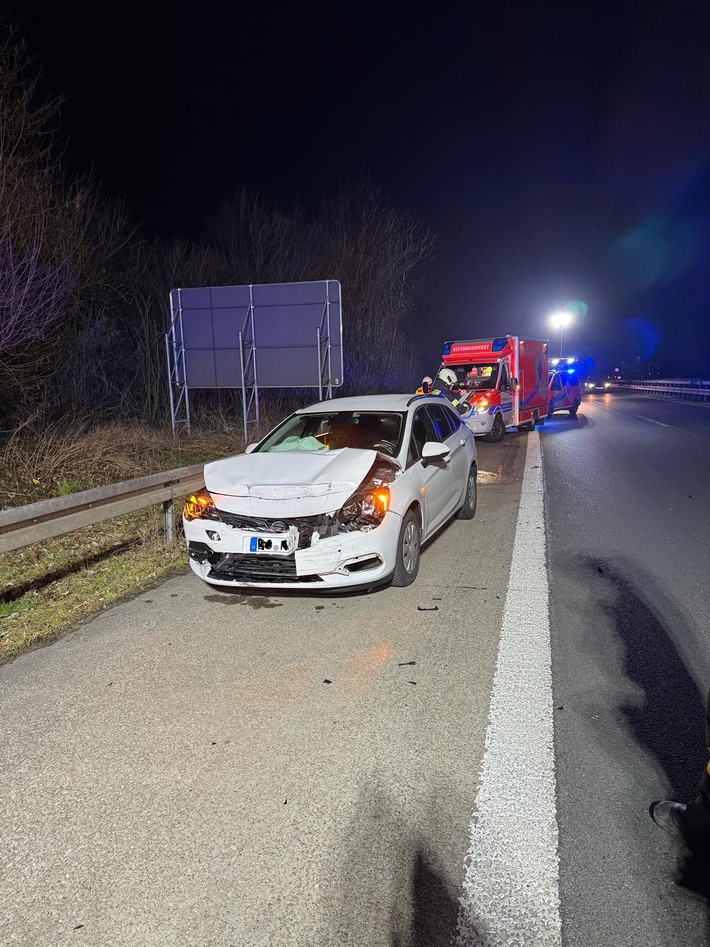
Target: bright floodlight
559	320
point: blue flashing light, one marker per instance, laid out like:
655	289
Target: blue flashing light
447	348
570	371
499	344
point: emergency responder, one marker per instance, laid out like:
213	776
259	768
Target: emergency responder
425	387
447	384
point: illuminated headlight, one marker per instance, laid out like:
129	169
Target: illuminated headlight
589	384
607	384
200	506
482	406
366	507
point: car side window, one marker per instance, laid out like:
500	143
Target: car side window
420	435
504	376
443	421
556	383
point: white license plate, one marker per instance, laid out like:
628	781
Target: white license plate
271	544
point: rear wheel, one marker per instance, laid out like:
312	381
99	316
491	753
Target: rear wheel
468	509
497	431
408	550
575	407
528	426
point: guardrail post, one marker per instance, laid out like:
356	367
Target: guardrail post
168	521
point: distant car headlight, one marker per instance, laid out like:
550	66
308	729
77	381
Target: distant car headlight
482	406
589	384
200	506
607	384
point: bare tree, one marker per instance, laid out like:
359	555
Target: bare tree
33	294
35	286
378	253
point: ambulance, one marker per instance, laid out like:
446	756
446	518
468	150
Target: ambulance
565	386
503	383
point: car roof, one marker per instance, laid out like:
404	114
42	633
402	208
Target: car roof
367	403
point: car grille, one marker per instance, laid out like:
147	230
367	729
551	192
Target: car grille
257	568
306	525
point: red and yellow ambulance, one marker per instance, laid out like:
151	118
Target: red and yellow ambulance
503	383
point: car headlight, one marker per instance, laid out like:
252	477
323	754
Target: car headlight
366	507
607	384
482	406
200	506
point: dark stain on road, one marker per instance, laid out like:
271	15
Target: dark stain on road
669	720
253	601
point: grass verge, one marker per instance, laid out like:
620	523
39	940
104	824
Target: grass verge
87	575
49	587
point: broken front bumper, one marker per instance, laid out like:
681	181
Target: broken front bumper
219	554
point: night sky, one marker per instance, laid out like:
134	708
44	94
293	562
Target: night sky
558	151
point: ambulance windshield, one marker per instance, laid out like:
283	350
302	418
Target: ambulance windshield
477	377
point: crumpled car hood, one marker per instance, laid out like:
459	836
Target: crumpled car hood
287	484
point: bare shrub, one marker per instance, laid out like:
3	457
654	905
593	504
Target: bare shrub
378	253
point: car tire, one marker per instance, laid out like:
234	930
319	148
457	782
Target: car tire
497	431
575	407
468	509
408	550
528	427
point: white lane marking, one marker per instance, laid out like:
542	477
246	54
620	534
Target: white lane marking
651	420
511	885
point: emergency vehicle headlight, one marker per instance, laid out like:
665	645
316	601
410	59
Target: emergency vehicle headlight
482	406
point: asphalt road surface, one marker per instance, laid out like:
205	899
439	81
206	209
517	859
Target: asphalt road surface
628	518
201	768
198	767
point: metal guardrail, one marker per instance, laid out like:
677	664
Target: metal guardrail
36	522
692	389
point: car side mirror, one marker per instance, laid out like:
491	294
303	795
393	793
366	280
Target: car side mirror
250	448
516	385
433	451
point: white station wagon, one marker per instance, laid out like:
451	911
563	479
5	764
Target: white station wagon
340	495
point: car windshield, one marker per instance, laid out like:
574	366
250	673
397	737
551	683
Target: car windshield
333	430
474	377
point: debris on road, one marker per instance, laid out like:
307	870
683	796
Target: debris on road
427	608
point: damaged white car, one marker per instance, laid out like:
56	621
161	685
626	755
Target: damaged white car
340	495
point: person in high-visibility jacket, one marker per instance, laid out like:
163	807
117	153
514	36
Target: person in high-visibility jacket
447	384
425	387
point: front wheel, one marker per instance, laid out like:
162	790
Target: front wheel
408	550
575	407
497	431
468	509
